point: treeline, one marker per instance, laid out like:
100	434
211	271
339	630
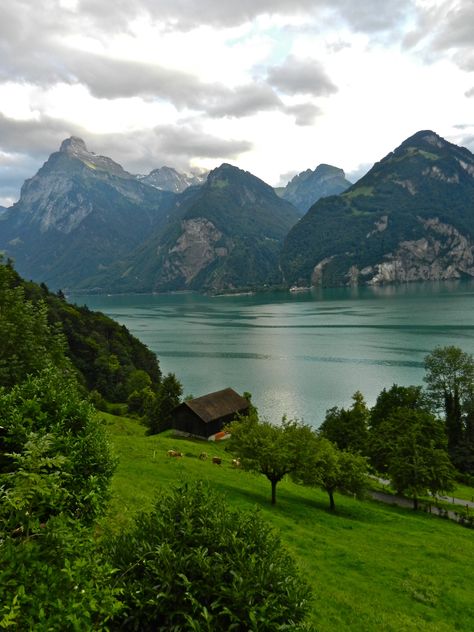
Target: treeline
116	371
421	439
431	428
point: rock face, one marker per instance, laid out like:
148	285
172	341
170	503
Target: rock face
410	218
77	215
223	236
309	186
168	179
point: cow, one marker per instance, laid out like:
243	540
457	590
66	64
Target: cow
203	456
217	460
236	462
174	453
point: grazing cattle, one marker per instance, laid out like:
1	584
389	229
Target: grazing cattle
217	460
236	462
174	453
203	456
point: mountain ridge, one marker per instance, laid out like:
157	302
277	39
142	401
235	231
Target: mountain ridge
411	217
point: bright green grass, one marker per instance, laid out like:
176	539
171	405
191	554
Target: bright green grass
463	491
371	566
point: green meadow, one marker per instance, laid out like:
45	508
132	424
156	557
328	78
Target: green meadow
371	566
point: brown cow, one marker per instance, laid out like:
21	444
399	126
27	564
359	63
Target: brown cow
174	453
217	460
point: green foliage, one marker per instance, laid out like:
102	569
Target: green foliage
27	341
56	456
331	469
388	416
348	428
268	449
55	579
158	406
418	460
106	357
414	183
366	562
450	385
194	564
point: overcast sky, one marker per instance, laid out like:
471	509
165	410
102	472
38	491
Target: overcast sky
272	86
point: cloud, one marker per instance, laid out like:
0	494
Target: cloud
301	76
304	113
367	15
469	93
244	101
27	144
445	27
286	177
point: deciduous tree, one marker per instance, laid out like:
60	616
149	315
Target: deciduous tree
271	450
333	470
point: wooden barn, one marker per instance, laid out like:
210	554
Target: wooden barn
207	415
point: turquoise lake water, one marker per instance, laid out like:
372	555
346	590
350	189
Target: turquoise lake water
298	354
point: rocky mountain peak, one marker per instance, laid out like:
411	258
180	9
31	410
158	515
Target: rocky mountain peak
73	145
309	186
76	148
169	179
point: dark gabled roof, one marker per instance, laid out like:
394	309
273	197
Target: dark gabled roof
216	405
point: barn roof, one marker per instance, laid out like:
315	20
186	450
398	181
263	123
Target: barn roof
216	405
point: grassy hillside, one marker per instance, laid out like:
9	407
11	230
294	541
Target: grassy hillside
371	566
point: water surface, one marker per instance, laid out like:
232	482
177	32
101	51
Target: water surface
299	354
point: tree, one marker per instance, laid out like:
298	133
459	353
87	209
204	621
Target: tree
158	407
194	564
450	385
268	449
419	462
27	342
348	428
388	401
332	470
388	418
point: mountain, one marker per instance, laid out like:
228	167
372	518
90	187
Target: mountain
168	179
411	217
225	235
77	215
309	186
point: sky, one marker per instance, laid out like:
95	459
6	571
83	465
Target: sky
272	86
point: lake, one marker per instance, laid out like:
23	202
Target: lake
298	354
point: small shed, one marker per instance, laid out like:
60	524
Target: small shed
206	415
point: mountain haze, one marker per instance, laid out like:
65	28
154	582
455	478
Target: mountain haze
169	179
309	186
411	217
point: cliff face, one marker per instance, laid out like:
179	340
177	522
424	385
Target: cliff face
410	218
225	235
77	215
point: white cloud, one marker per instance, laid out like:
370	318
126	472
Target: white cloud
277	86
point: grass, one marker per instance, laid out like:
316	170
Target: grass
371	566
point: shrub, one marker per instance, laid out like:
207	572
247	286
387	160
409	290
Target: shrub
194	564
54	579
56	456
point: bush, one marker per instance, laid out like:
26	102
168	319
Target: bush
195	564
55	580
56	456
